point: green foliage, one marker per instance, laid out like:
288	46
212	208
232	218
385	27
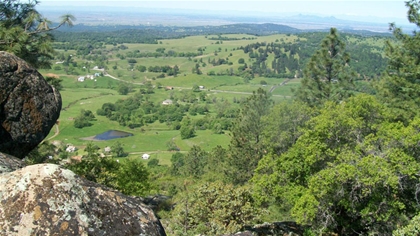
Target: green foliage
187	130
215	209
130	176
171	145
327	76
55	82
133	178
194	162
177	163
95	168
117	150
259	134
123	89
154	162
413	228
84	119
132	61
246	147
357	182
283	124
43	153
399	87
24	32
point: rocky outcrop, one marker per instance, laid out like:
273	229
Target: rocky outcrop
48	200
9	163
29	106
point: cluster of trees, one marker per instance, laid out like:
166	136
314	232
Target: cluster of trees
339	161
109	38
352	166
224	38
290	58
84	119
169	53
125	111
129	176
169	70
117	34
135	111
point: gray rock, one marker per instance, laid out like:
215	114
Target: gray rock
9	163
45	199
29	106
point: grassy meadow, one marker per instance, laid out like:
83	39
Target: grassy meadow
153	138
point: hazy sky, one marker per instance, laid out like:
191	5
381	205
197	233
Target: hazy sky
376	8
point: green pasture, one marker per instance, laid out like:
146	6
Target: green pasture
153	138
149	138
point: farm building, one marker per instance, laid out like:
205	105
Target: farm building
71	148
145	156
167	102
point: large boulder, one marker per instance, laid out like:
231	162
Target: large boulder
45	199
29	106
9	163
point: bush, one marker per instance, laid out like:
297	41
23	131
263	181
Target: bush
132	60
216	209
84	119
153	163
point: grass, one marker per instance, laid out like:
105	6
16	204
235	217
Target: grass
153	138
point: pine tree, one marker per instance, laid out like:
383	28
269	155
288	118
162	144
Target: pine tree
24	31
246	147
327	76
399	87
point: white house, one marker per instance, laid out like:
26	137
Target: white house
97	74
71	148
145	156
81	79
167	102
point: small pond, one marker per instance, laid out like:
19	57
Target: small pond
112	134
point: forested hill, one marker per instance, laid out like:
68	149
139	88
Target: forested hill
150	34
256	29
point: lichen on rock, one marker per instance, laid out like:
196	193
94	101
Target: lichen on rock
46	199
29	106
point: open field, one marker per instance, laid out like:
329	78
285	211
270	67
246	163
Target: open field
153	138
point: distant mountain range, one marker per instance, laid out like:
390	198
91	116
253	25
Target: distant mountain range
165	32
188	18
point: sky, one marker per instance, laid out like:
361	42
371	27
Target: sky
344	9
382	8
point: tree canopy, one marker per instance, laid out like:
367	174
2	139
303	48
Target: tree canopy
356	182
399	86
327	76
24	31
